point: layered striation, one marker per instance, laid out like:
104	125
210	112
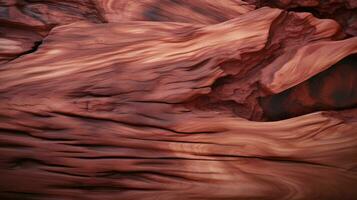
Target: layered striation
175	100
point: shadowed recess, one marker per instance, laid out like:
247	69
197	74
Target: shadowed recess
332	89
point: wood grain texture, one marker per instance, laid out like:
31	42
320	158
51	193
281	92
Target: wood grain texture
32	20
198	11
185	105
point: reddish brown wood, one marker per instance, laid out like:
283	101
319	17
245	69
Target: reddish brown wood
175	100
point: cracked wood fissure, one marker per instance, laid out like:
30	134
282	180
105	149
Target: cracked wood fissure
174	100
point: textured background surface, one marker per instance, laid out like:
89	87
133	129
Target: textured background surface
178	99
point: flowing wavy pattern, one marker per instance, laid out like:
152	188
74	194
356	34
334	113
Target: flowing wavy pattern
178	99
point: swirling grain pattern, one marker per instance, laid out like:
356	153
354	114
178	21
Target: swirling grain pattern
199	11
175	100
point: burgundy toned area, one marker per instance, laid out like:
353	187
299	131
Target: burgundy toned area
178	100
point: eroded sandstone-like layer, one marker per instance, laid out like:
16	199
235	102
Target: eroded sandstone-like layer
153	99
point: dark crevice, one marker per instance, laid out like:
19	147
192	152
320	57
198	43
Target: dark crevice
142	175
13	132
65	173
18	195
27	134
13	145
35	47
95	146
333	89
87	187
100	187
26	163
